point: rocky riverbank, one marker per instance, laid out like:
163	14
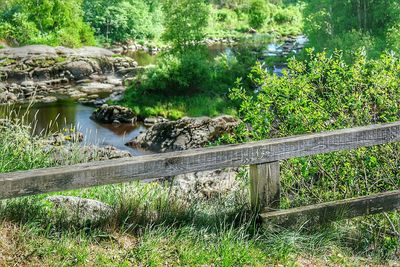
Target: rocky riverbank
43	73
186	133
189	133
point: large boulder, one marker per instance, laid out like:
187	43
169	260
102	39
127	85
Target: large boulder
48	51
79	69
189	133
184	134
113	114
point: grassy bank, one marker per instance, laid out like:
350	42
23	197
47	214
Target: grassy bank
151	226
176	107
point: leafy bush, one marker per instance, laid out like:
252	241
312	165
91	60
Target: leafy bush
222	16
258	13
319	94
178	74
287	15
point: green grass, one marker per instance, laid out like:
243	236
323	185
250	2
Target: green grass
153	229
176	107
152	226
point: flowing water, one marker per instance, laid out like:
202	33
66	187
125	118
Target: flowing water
67	113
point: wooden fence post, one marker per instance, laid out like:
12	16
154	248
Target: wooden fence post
265	186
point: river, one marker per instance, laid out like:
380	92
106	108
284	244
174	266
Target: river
68	113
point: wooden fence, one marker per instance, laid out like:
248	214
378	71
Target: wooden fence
263	158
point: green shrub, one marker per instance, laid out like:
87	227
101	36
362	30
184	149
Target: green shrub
258	13
286	15
178	74
222	16
319	94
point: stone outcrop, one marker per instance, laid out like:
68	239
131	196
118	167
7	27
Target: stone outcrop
63	145
189	133
33	72
183	134
81	210
113	114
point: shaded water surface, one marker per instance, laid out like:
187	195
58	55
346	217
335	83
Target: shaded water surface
68	114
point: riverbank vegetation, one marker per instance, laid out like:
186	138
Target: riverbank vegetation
86	22
186	80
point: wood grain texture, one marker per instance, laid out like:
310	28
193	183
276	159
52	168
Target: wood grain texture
265	186
336	210
170	164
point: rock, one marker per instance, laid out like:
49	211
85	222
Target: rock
48	51
96	88
7	97
49	99
114	97
84	81
184	134
59	139
103	153
77	94
252	31
114	81
81	209
111	114
206	184
51	68
79	69
154	120
92	97
28	84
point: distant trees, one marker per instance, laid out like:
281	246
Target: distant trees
119	20
78	22
185	22
354	23
54	22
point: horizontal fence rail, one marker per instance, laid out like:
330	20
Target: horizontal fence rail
331	211
263	156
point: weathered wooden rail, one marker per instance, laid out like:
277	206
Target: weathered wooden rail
263	158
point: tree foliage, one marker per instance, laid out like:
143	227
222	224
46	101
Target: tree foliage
185	22
258	13
120	20
54	22
352	24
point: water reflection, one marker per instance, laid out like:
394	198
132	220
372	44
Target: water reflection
143	58
67	114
